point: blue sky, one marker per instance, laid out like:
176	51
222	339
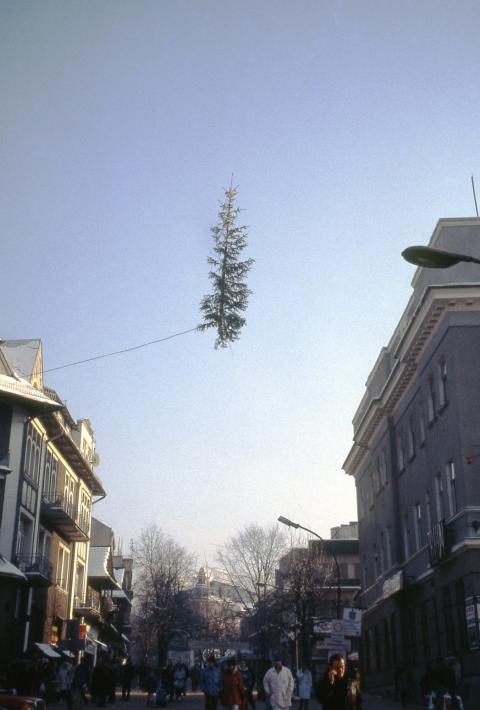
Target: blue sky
350	127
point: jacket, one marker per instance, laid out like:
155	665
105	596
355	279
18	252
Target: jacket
233	690
304	680
342	694
279	686
211	681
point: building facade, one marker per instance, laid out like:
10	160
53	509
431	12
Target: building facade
47	503
416	464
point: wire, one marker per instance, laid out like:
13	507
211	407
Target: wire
119	352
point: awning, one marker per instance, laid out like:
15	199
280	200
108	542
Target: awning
47	650
9	570
98	575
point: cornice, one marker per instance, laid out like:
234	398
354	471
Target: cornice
426	320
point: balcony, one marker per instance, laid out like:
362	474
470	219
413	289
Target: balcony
88	606
62	515
37	569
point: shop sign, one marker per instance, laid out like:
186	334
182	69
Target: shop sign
352	622
393	584
472	616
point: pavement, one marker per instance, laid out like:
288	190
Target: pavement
194	701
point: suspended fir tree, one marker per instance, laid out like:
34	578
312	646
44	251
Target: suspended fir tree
223	308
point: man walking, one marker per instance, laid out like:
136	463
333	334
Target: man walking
278	684
211	684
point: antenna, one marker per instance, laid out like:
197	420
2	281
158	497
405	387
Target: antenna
474	195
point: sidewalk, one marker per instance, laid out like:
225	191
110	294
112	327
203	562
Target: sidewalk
377	702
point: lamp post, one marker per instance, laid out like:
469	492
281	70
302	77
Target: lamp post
435	258
291	524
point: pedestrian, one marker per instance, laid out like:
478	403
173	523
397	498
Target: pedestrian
278	684
127	675
336	691
101	682
179	680
211	684
64	682
403	683
304	684
80	685
150	688
233	691
248	678
168	679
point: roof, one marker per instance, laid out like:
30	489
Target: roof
22	392
21	355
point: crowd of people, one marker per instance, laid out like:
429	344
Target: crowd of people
233	686
224	682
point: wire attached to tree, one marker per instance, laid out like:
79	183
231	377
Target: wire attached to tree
124	350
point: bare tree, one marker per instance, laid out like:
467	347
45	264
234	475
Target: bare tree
250	560
163	571
305	580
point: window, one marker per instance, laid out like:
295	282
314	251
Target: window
33	450
375	563
422	429
382	552
448	620
84	517
428	511
364	573
442	383
50	476
411	441
431	401
407	543
24	536
69	495
388	542
451	487
383	468
440	497
417	513
400	454
63	564
376	478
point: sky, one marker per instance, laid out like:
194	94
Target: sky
350	128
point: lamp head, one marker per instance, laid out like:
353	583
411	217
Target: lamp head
434	258
286	521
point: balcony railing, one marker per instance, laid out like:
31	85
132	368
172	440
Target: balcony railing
88	605
37	568
63	515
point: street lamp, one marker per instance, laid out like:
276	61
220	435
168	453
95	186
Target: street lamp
435	258
291	524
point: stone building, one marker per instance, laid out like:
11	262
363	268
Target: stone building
416	464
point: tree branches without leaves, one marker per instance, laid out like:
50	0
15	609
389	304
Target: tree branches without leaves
250	559
223	309
163	570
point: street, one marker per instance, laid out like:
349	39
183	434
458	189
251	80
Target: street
194	701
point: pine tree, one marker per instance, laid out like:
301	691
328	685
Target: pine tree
223	308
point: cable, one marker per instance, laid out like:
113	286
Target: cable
118	352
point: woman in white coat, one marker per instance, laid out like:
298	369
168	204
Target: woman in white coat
304	684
